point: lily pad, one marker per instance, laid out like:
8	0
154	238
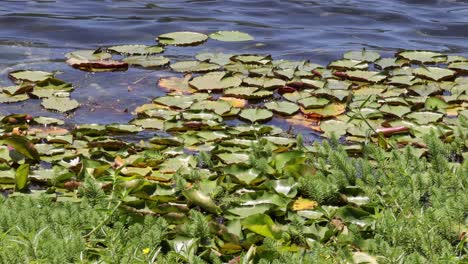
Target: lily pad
218	58
29	76
136	49
459	66
424	118
182	38
434	73
422	56
247	93
330	110
313	102
215	81
219	107
256	115
284	107
147	61
231	36
6	98
61	104
194	66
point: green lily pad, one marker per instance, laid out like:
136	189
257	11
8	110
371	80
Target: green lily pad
435	104
313	102
283	107
264	82
194	66
425	89
234	158
61	104
247	93
459	66
364	55
29	76
330	110
88	55
182	38
336	127
6	98
366	76
219	107
218	58
390	63
48	120
149	123
348	65
147	61
215	81
180	101
123	128
424	118
397	110
434	73
252	59
136	49
422	56
256	115
337	84
231	36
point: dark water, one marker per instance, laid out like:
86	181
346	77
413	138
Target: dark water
34	34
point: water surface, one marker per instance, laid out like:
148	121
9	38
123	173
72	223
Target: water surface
34	34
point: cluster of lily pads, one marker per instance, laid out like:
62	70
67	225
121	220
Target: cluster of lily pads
199	143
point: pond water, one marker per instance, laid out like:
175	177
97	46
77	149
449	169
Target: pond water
35	34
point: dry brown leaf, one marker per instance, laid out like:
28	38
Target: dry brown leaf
304	204
235	102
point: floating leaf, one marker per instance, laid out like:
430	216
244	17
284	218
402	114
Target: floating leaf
136	49
176	84
390	63
247	93
330	110
313	102
29	76
61	104
434	73
366	76
459	66
336	127
234	158
215	81
194	66
231	36
348	65
423	118
423	56
219	107
435	104
256	115
147	61
6	98
284	107
218	58
182	38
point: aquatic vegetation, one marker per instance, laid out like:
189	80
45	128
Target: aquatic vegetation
197	177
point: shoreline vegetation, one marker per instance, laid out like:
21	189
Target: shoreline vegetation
198	177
